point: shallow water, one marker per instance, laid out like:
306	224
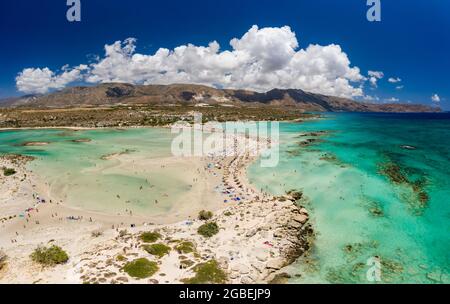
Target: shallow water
79	176
358	208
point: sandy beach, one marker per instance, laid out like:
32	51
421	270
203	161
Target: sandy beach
258	234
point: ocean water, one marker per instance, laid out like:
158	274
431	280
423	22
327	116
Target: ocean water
369	196
79	177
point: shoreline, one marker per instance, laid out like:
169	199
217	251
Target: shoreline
262	235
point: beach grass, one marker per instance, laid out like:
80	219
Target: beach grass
158	250
207	273
8	171
50	256
141	268
208	230
205	215
185	247
150	237
121	258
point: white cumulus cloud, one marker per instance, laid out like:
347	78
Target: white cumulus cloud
262	59
374	76
394	80
436	98
36	80
392	99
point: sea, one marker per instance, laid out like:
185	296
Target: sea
377	187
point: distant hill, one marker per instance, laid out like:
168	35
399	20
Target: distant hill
126	94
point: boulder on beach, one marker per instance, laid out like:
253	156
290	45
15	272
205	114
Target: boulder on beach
300	218
261	254
275	264
241	268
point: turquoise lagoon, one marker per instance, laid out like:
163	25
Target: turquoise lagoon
81	177
369	195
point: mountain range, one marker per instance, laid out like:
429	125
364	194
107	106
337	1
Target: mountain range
110	94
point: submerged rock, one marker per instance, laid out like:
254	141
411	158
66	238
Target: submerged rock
81	140
406	147
394	173
281	278
295	194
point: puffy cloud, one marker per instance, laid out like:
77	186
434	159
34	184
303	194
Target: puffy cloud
435	98
260	60
370	98
374	76
36	80
392	99
399	87
394	80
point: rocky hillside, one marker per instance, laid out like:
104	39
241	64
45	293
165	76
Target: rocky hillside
127	94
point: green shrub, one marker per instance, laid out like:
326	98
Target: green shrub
96	234
121	258
185	247
159	250
150	237
208	229
141	268
8	171
205	215
228	213
207	273
49	256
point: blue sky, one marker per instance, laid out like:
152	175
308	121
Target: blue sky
412	42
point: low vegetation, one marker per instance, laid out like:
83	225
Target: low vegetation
209	229
185	247
150	237
148	115
96	234
8	171
50	256
207	273
205	215
121	258
158	250
141	268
